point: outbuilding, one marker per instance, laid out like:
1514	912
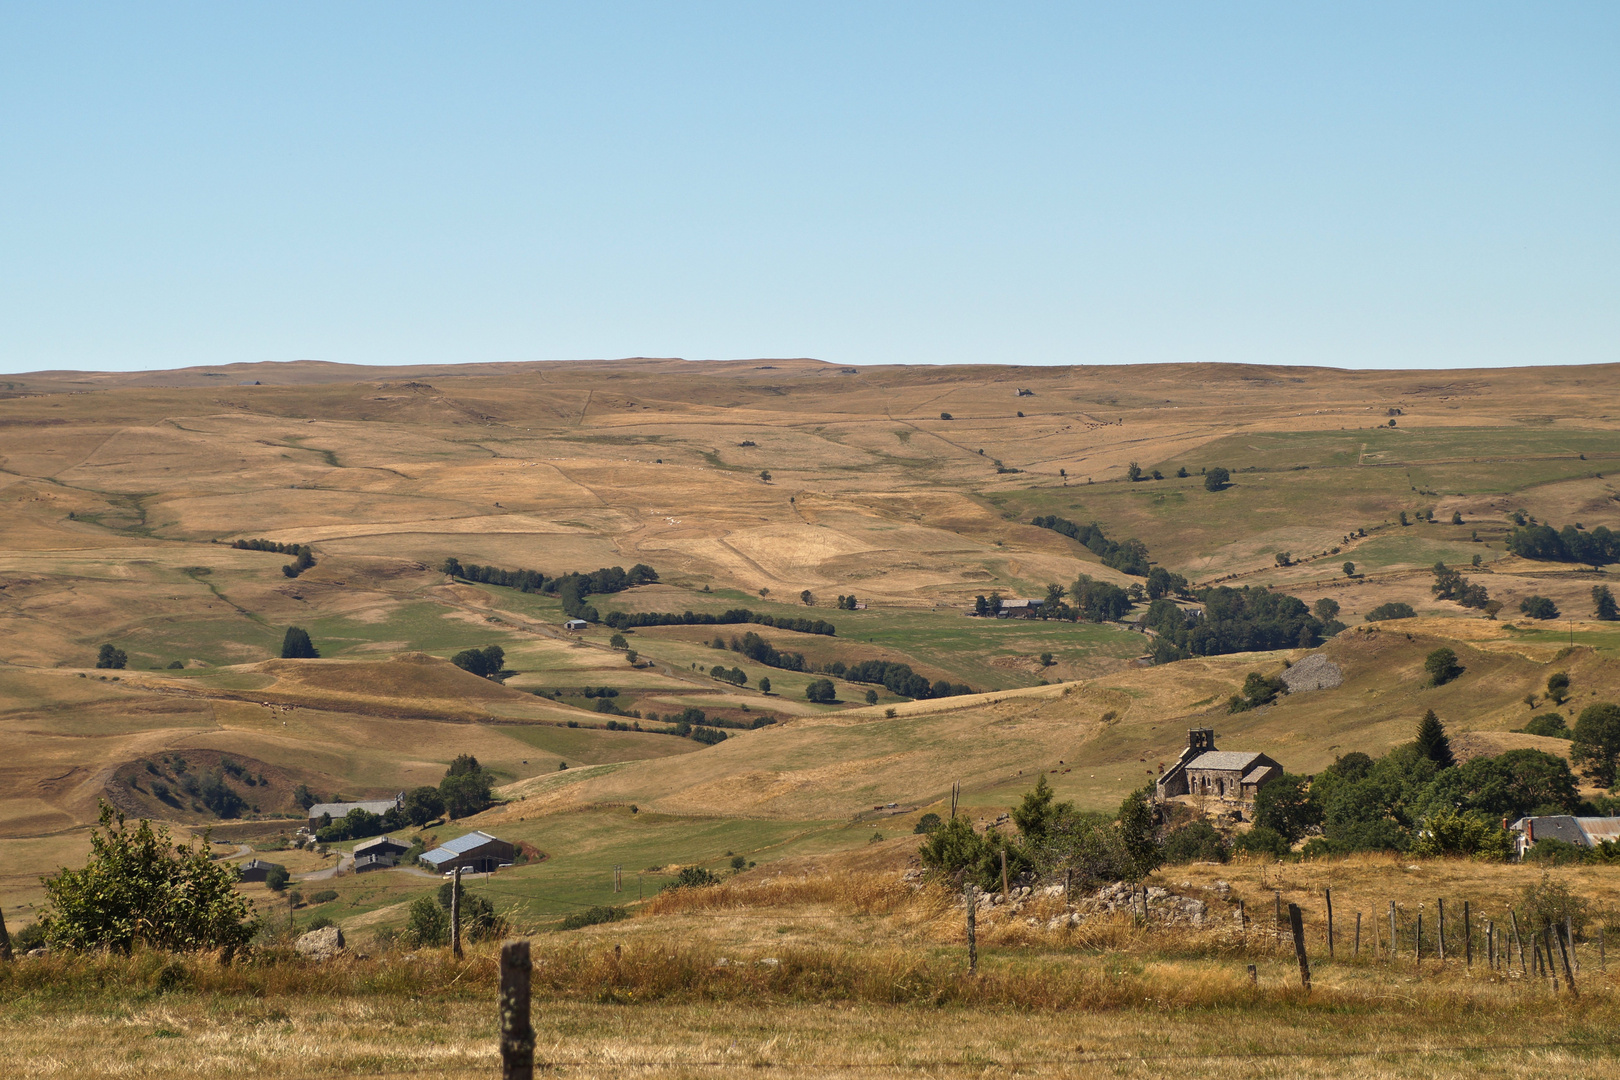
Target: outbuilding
381	845
258	869
575	625
478	852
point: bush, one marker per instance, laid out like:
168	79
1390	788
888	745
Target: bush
1550	725
139	887
1217	479
1392	610
1261	840
592	916
277	878
1550	901
694	877
428	925
325	896
927	824
1196	842
481	662
111	657
1555	852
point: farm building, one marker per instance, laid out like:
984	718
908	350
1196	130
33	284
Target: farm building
1229	775
381	845
257	869
1583	832
339	810
575	625
363	863
478	852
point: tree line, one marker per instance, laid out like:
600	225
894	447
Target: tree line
1598	547
1250	619
1129	557
571	588
627	620
303	555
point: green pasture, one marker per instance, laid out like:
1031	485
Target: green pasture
1514	447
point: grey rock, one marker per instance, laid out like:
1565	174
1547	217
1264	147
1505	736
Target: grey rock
1315	672
322	944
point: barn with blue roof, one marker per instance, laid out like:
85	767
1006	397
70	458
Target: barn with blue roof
477	852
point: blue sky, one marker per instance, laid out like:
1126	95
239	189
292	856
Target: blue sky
1357	184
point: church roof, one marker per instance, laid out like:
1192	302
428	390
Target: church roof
1225	760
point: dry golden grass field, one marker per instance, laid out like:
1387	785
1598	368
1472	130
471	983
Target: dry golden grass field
777	485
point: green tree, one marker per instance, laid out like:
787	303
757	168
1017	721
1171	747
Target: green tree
139	887
764	684
617	641
1136	829
481	662
871	697
276	878
1257	690
1287	806
1326	609
111	656
1595	746
807	598
1442	666
1133	472
422	805
1539	607
295	645
1432	742
765	476
1349	569
1603	605
1558	687
928	823
1217	479
1032	815
821	691
1046	660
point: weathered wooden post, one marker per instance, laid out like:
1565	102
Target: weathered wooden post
1276	918
972	930
1005	892
455	913
5	938
1518	939
1243	920
1327	894
1254	976
1490	944
1068	883
1297	923
1393	940
1358	936
1440	938
517	1034
1417	938
1603	961
1569	936
956	790
1545	941
1468	935
1569	974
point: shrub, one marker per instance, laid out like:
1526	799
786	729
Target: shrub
111	657
428	924
592	916
1550	901
325	896
277	878
1392	610
1196	842
694	877
1262	840
319	922
481	662
821	691
1217	479
139	887
295	645
945	416
1551	725
927	824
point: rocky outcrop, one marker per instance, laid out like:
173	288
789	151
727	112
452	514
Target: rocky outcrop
1161	905
1315	672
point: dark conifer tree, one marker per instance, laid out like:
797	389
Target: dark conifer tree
1432	742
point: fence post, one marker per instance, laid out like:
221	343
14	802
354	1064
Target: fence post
1068	883
1468	935
1243	923
956	789
1417	938
1393	940
517	1034
1569	974
1440	938
5	938
1513	924
972	930
1254	976
1358	936
1327	894
1005	892
1569	935
1490	944
1552	962
1603	961
1276	918
455	913
1297	923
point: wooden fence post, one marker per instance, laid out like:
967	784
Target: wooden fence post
1327	894
1603	961
1243	924
1068	883
1297	923
1569	935
1393	940
1276	918
1468	935
1254	976
1569	974
1358	936
1004	890
455	913
5	938
1513	922
1545	940
1490	944
956	790
517	1034
1417	937
972	930
1440	938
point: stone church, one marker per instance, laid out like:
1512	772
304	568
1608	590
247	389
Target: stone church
1231	776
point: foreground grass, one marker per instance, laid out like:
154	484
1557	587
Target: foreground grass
696	986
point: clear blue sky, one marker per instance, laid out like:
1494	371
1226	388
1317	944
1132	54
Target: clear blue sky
1354	184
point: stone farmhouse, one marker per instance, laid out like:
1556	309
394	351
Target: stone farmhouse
1230	776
